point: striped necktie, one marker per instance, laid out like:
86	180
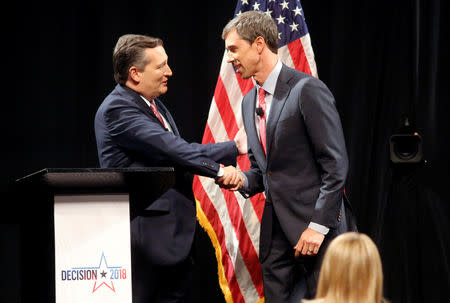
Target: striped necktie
155	111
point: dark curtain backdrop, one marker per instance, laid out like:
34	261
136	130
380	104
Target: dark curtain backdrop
383	61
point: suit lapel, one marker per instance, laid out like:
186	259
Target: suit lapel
166	114
279	99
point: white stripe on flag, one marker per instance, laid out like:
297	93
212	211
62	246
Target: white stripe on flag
215	122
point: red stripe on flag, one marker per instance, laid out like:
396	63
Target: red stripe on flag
244	162
258	202
213	217
246	247
225	110
207	135
298	56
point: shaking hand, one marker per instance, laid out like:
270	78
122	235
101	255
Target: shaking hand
232	179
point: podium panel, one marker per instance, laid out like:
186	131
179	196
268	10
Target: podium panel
92	248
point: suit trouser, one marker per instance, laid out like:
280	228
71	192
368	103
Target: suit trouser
286	278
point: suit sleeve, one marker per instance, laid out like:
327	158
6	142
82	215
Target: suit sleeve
133	130
254	180
327	139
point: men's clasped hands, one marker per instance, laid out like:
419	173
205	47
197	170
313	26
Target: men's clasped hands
232	179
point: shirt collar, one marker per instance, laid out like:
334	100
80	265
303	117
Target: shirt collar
146	101
271	81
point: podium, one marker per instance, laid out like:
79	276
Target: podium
75	231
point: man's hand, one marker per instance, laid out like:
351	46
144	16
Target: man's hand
309	243
232	179
241	141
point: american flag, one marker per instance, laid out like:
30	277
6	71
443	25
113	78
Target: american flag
231	221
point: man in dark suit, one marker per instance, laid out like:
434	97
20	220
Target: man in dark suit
298	159
134	129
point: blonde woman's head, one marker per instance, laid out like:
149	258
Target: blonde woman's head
351	271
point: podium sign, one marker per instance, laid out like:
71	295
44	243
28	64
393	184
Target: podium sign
92	248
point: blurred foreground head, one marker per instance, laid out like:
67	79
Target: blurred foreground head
351	271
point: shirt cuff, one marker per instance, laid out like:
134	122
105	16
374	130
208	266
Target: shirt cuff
319	228
220	172
245	186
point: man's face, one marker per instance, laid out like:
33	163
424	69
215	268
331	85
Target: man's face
241	54
154	77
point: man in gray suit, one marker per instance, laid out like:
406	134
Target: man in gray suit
298	159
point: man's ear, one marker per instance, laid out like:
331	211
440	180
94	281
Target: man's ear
260	44
134	74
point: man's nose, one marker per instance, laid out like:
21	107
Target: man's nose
230	58
168	72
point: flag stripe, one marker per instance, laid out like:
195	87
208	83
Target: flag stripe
215	123
257	200
309	53
207	135
298	56
225	110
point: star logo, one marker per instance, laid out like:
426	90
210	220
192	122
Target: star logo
104	268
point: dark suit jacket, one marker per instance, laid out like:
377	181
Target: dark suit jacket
128	134
306	165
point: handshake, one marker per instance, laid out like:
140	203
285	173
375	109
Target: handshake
232	179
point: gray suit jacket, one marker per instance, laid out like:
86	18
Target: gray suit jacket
306	166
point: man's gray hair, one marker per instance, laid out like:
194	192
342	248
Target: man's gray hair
253	24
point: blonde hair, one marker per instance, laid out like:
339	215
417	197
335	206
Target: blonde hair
351	271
